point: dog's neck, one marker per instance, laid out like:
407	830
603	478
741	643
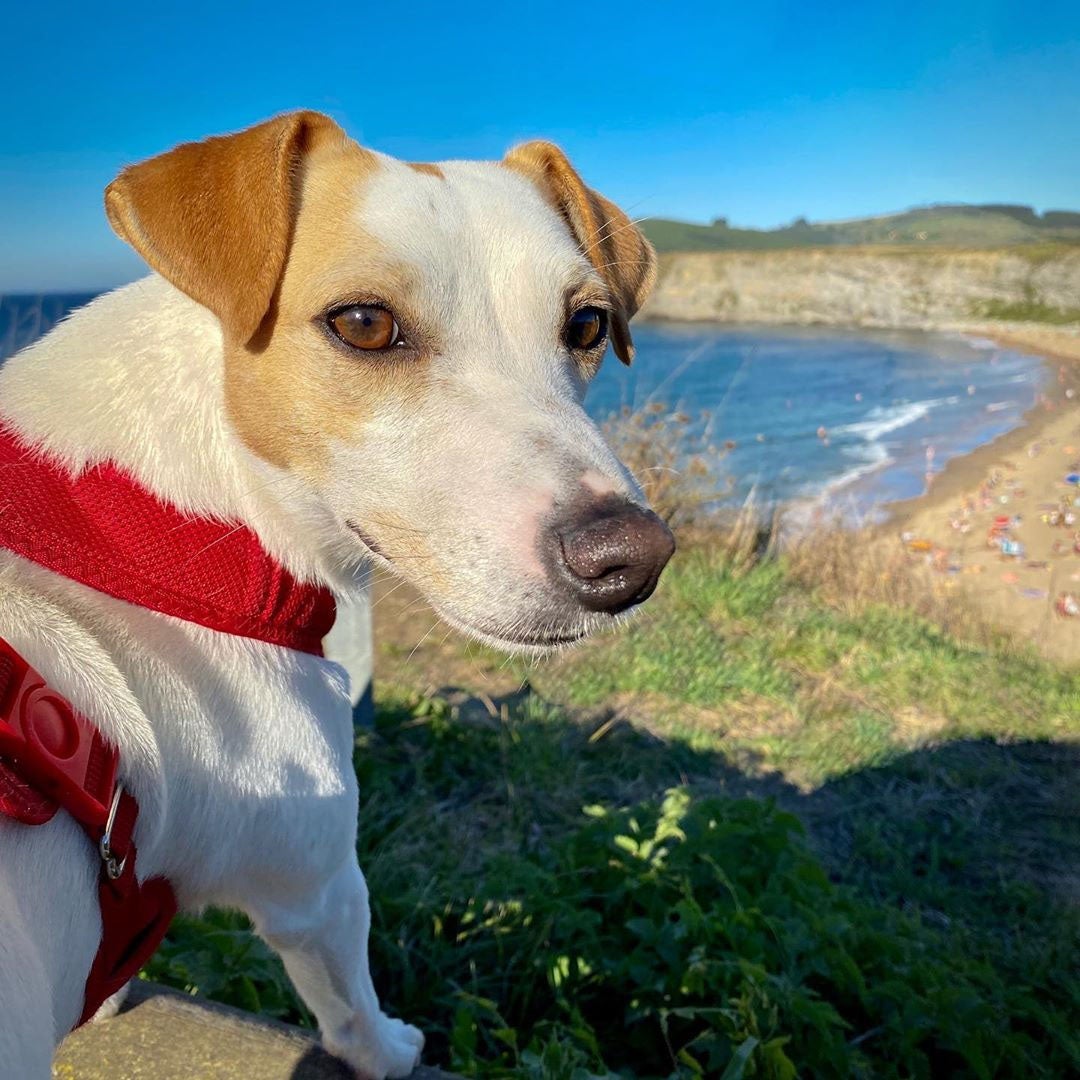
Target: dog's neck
137	378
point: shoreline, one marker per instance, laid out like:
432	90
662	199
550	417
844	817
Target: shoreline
1018	476
962	472
1054	345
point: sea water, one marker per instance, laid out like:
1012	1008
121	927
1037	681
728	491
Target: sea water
854	418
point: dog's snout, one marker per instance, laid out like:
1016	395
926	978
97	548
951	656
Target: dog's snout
612	554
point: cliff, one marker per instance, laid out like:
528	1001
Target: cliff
881	287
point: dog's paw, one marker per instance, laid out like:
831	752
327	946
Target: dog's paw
111	1005
388	1048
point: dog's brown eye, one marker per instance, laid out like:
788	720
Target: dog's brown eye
364	326
586	328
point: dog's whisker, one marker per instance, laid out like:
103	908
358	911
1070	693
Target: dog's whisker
408	659
624	262
389	592
615	232
297	486
398	526
632	206
395	558
213	543
269	484
416	605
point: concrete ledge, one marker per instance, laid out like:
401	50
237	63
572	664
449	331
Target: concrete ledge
163	1035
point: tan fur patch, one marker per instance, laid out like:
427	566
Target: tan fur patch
214	217
261	227
291	390
607	237
427	168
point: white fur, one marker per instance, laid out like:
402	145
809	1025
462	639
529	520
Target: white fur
239	752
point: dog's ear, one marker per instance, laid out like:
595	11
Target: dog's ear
215	217
608	238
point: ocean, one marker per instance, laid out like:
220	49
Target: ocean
854	419
811	415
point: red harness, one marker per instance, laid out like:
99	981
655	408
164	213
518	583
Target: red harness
52	757
103	529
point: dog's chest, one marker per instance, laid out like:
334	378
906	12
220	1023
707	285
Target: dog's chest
240	752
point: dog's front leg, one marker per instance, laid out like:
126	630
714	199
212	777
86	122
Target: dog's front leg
322	936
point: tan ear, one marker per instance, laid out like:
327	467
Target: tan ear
608	238
215	217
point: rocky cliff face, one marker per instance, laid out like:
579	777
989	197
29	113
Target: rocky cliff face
867	287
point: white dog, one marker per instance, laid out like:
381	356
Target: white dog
347	360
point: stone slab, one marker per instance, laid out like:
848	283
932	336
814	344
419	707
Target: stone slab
164	1035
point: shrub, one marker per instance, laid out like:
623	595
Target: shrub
670	454
700	938
685	938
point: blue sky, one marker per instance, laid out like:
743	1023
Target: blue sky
758	112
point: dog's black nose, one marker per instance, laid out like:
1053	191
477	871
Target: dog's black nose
611	554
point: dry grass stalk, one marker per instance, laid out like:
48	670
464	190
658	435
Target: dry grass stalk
858	568
680	471
853	568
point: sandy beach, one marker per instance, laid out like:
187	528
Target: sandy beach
1003	523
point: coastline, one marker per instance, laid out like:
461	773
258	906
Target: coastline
1019	475
965	471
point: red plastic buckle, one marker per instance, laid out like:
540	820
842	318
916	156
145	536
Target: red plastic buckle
51	746
52	756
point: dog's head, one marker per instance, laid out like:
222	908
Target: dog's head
412	344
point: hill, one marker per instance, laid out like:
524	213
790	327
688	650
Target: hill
953	225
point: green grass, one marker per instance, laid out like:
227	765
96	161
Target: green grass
756	834
1027	310
1030	308
954	226
817	691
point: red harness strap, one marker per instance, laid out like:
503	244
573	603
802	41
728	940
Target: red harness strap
102	528
52	758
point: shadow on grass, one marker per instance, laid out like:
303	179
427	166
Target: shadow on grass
556	898
972	817
947	881
973	824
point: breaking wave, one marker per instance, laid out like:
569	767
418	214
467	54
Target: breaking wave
881	420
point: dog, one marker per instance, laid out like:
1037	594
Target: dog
350	361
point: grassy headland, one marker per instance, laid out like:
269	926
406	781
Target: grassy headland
951	225
935	267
